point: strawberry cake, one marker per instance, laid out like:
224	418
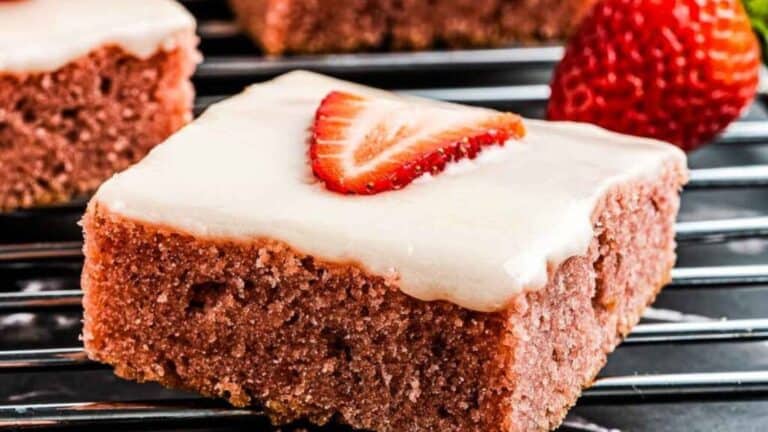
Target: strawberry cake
337	253
87	87
303	26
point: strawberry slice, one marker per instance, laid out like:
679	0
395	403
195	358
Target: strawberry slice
366	145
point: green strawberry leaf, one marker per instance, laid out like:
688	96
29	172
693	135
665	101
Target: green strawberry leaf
758	14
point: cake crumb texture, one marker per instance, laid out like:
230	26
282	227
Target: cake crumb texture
258	323
312	26
64	132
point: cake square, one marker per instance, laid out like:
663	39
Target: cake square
481	298
301	26
87	87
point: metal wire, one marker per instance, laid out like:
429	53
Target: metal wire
746	132
722	230
721	384
17	252
13	301
729	177
710	231
215	67
99	413
681	278
719	275
45	360
701	332
651	387
495	94
659	333
218	29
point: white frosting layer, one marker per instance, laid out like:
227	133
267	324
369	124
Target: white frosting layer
474	235
44	35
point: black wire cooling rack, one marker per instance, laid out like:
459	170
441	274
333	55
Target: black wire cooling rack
699	360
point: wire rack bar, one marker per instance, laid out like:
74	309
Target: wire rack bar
746	132
260	66
493	94
709	331
76	205
681	278
45	360
99	413
17	252
722	230
11	301
700	332
707	178
719	275
710	231
218	29
720	384
479	95
644	387
729	177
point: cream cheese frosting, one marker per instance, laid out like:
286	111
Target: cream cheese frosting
474	235
44	35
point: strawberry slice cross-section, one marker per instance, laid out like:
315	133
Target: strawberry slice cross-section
366	144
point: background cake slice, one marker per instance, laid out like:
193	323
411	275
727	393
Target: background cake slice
304	26
87	87
484	297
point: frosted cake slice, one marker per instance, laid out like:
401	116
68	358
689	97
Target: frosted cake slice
87	87
483	295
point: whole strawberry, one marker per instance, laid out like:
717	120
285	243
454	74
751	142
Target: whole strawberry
676	70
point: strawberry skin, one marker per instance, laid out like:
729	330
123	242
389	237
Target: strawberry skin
366	145
676	70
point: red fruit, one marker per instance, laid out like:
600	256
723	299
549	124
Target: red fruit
366	145
676	70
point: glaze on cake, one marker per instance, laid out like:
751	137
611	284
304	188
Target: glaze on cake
44	35
512	212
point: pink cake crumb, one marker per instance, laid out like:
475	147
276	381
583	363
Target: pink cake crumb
64	132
